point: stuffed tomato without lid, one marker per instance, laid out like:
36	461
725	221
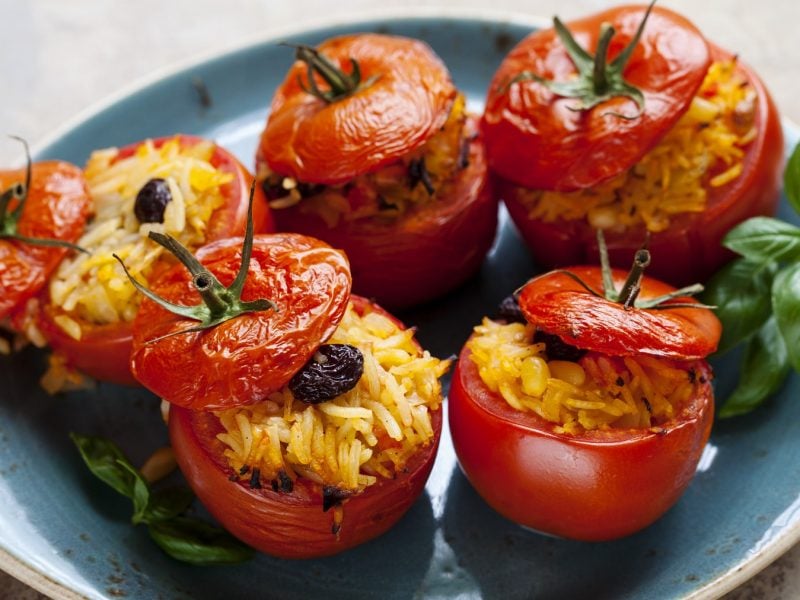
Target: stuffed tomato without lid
382	161
306	420
183	185
702	153
593	425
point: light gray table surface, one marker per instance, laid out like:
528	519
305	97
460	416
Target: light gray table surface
59	57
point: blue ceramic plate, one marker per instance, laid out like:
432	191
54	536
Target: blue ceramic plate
65	532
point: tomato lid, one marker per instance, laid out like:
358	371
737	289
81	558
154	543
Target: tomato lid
542	140
243	359
559	304
403	97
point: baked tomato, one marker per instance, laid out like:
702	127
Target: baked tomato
586	425
327	400
369	147
305	519
88	311
41	208
701	153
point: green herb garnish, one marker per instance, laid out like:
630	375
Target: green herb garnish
184	538
758	300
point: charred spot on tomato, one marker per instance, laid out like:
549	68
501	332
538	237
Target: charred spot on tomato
333	370
509	310
282	483
418	173
556	348
255	479
244	470
333	496
152	200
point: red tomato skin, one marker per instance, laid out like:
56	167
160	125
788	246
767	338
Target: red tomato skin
534	139
103	352
57	207
291	525
593	487
691	249
563	307
420	255
407	104
308	281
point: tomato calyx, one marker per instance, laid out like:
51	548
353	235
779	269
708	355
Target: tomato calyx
9	220
219	303
597	79
340	83
628	294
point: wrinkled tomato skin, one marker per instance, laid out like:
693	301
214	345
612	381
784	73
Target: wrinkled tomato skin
538	140
421	254
57	207
244	359
406	103
691	249
591	487
103	352
291	525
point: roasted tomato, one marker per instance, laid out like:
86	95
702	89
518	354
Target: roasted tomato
93	332
383	162
324	404
593	425
54	208
701	153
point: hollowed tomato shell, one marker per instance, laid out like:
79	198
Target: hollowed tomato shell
593	487
57	207
420	255
103	352
690	250
291	525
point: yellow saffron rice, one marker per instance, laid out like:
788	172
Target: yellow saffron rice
705	148
94	287
597	392
387	191
350	441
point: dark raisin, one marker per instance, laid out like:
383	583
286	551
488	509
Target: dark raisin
556	348
282	483
418	173
151	201
333	370
333	496
509	310
255	479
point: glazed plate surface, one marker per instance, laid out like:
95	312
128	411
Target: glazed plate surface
62	530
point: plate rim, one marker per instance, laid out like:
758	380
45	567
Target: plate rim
27	573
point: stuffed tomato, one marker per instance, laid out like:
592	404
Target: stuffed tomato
43	211
631	122
582	414
307	423
369	147
183	185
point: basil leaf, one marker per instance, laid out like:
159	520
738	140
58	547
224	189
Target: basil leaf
741	293
786	306
141	493
167	504
763	239
198	543
791	179
763	371
107	462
